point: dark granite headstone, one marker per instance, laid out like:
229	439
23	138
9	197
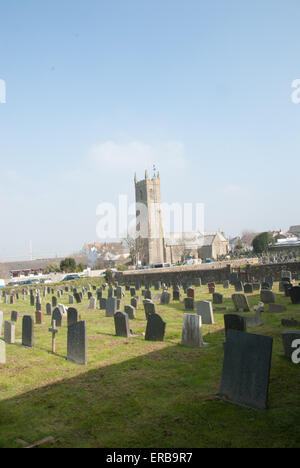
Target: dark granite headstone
295	294
156	327
72	316
27	331
14	316
57	316
78	297
76	343
234	322
248	288
130	311
122	324
188	303
246	369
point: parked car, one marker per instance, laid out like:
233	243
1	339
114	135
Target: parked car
71	277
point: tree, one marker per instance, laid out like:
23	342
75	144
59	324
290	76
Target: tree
52	268
248	237
80	267
68	265
262	242
108	275
130	243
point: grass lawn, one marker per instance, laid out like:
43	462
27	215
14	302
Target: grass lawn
135	393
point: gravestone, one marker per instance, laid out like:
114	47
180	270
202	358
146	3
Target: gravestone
27	331
134	302
93	303
192	331
148	294
277	308
77	297
176	295
295	294
54	301
149	308
190	292
155	330
48	308
217	298
226	284
2	352
130	311
248	288
290	323
76	343
188	303
132	292
122	324
246	369
256	321
111	306
39	317
72	316
205	310
238	286
240	302
267	297
234	322
57	316
9	332
102	303
71	299
165	298
256	286
14	316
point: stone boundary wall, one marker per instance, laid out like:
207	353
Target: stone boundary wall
216	272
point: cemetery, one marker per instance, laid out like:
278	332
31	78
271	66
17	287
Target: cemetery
146	367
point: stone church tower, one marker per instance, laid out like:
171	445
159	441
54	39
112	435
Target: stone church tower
149	225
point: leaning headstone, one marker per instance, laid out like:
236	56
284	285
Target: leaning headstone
234	322
156	327
72	316
76	343
14	316
240	302
205	310
287	339
192	331
122	324
9	332
27	331
246	369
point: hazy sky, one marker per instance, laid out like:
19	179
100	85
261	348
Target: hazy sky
99	89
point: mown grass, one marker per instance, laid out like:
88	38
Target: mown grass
135	393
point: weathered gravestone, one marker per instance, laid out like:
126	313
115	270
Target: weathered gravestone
165	298
134	302
72	316
246	369
111	307
267	297
93	303
238	286
295	294
288	339
205	310
14	316
155	330
9	332
217	298
240	302
277	308
27	331
122	324
176	295
39	317
190	292
71	299
189	303
77	297
234	322
57	316
290	323
248	288
102	303
54	301
48	308
192	331
149	308
130	311
76	343
226	284
2	352
148	294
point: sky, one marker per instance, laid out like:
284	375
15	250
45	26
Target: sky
97	90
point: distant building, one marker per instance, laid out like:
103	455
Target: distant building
109	254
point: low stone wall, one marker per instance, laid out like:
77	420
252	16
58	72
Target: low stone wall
216	272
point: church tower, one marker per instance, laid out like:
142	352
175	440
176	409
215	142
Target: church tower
149	225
